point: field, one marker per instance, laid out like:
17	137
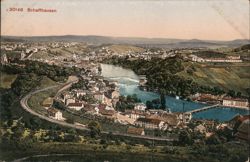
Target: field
46	82
37	99
234	76
125	48
6	80
65	52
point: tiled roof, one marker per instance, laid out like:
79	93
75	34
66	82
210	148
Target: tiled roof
136	131
148	120
52	110
107	112
76	104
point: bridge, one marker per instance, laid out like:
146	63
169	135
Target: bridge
202	109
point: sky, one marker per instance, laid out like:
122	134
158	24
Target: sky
182	19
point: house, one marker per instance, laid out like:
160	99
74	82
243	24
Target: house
195	58
221	126
156	111
113	94
235	102
135	114
221	60
55	114
65	96
4	59
241	124
76	106
108	113
234	57
80	92
142	80
69	100
99	96
107	100
140	106
170	118
237	119
136	131
90	109
187	117
243	132
149	123
123	119
200	128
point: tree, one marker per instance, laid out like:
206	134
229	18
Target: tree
238	94
185	138
35	123
70	120
149	104
17	132
213	140
163	101
95	129
248	92
231	93
59	105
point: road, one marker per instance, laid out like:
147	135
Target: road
25	106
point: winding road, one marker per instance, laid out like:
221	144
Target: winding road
25	106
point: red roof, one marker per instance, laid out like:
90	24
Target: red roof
245	117
107	112
136	131
148	120
76	104
235	99
102	106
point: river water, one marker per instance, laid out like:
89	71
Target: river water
128	84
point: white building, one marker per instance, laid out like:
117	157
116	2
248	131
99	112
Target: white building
69	100
140	106
76	106
242	103
99	96
80	92
149	123
54	114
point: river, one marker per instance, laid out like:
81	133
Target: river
128	84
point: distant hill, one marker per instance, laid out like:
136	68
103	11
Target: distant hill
242	48
143	42
210	54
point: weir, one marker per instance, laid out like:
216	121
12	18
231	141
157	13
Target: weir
202	109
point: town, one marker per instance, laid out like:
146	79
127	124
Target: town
93	95
125	81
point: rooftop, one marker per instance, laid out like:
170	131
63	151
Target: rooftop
148	120
76	104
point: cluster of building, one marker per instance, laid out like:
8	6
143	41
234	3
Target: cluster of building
222	100
242	124
196	58
98	96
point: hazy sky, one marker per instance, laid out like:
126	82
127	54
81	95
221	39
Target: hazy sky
187	19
